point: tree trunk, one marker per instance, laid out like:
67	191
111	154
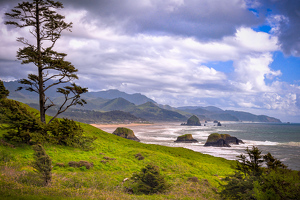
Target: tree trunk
40	70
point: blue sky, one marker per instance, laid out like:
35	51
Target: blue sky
236	54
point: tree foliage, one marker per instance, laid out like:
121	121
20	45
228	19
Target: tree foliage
3	91
42	163
252	164
69	133
47	26
23	126
252	181
149	181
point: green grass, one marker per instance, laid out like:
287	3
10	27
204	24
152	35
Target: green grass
114	160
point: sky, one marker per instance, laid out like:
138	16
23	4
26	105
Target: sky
234	54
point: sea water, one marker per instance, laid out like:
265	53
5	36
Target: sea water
281	140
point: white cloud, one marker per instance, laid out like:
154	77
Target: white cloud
252	71
172	68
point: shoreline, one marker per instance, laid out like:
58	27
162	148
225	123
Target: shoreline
119	125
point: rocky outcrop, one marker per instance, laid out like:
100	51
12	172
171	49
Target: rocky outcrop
125	133
193	121
222	140
187	138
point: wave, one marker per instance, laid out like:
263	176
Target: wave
295	144
261	143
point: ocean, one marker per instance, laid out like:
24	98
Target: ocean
281	140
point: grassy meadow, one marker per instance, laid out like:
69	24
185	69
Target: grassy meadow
114	159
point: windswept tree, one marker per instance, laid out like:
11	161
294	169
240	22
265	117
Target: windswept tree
46	28
3	91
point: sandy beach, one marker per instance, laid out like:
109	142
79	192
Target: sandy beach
118	125
136	127
111	127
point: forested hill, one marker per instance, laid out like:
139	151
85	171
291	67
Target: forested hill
138	105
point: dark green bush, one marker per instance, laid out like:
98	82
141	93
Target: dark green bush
69	133
23	126
26	128
252	181
149	181
278	184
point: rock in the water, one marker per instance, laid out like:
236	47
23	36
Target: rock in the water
125	133
221	140
187	138
193	121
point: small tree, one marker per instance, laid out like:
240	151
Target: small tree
251	181
47	27
3	91
42	163
273	163
252	164
149	181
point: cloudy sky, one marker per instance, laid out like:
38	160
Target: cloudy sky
233	54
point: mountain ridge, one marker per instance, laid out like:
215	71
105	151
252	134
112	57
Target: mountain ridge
141	106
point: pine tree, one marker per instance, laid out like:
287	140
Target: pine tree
273	163
3	91
149	180
47	26
42	163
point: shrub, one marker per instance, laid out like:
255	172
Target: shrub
23	126
69	133
42	163
139	156
251	181
80	164
149	181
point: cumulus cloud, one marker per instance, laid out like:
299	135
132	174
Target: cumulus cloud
285	21
204	19
161	49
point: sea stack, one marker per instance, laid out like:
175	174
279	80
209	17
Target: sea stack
193	121
221	140
187	138
125	133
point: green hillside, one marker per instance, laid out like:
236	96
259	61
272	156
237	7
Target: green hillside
114	159
152	112
117	104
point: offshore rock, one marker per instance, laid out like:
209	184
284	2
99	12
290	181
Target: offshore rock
193	121
222	140
187	138
125	133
